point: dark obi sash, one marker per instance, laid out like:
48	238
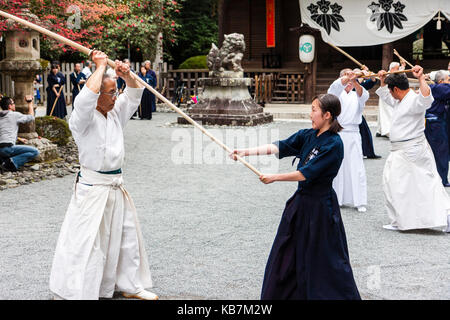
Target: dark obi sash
309	257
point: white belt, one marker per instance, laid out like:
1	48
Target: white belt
399	145
350	128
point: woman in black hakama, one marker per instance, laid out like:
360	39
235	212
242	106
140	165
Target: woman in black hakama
148	101
309	257
55	80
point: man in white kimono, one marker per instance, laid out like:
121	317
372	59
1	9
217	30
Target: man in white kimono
100	247
350	183
385	110
415	196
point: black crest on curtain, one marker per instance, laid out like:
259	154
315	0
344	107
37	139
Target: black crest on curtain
388	19
325	19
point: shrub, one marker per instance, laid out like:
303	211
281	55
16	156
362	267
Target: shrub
54	129
198	62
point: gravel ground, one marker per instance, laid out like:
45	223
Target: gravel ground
209	223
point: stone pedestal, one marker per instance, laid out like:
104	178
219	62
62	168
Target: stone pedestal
227	101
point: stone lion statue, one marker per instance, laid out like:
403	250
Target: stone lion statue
229	57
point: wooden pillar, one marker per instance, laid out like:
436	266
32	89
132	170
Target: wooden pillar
387	56
221	13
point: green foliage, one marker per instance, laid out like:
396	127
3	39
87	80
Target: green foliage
54	129
199	29
198	62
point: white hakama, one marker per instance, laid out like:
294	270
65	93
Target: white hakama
415	196
100	247
384	118
350	183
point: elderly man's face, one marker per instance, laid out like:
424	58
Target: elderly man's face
77	67
147	66
108	95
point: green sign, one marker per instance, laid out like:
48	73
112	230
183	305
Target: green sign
306	47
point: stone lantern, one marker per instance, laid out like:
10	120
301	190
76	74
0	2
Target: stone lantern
22	64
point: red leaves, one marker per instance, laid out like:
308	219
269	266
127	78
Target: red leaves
107	24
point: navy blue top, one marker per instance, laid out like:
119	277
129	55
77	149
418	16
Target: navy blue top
149	77
52	79
441	95
320	157
75	80
368	84
121	85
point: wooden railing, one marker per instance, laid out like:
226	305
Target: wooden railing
268	85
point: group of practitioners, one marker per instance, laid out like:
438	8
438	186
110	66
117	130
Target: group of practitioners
56	102
100	249
309	258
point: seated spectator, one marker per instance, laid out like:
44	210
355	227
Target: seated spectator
13	157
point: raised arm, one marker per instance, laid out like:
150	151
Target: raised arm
338	86
383	91
86	101
424	87
128	102
95	80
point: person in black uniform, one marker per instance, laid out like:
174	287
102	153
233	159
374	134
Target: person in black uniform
364	130
309	257
55	81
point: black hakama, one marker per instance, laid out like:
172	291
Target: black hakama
309	257
60	110
148	102
436	134
366	140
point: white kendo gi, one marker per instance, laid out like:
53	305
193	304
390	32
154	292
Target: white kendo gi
415	196
385	110
100	247
350	183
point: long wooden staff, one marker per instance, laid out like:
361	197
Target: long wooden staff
56	100
111	63
347	55
391	72
401	58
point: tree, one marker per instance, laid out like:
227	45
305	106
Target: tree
199	22
110	25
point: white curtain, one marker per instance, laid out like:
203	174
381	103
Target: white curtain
350	23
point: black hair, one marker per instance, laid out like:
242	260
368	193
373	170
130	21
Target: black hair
398	80
5	103
54	66
330	103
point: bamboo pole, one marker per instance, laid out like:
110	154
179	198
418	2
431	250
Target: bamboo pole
111	63
401	58
346	54
391	72
56	100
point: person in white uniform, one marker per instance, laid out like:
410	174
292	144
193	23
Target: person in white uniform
350	183
100	248
385	110
413	190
